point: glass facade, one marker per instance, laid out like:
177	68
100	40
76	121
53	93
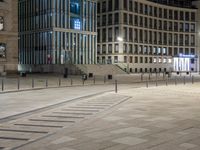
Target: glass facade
57	32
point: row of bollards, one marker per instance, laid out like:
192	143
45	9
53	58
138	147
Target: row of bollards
167	81
46	83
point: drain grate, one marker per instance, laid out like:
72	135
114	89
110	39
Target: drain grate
45	120
73	113
38	125
24	131
13	138
71	117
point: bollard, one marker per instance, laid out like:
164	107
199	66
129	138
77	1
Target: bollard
94	81
71	82
83	81
166	82
33	83
163	75
59	82
147	84
104	79
46	83
116	90
2	84
175	81
142	77
149	76
18	83
192	79
156	82
184	80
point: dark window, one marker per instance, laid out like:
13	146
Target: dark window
110	5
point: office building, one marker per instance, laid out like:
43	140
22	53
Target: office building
148	36
56	33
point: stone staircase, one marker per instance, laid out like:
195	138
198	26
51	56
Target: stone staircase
98	69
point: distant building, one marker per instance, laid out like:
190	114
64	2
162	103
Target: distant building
57	32
8	36
148	36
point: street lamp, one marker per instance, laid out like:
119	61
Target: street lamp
120	39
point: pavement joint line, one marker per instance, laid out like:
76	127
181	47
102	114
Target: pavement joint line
25	131
27	113
87	107
73	113
53	116
80	110
13	138
48	120
36	125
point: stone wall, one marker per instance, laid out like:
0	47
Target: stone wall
9	35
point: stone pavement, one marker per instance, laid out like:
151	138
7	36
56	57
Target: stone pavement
157	118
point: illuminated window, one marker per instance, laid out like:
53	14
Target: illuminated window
154	60
164	60
2	50
77	24
1	23
170	60
160	60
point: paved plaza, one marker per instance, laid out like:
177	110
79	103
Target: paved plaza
136	118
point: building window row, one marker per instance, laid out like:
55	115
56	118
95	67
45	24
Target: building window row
145	36
137	7
134	49
134	60
145	22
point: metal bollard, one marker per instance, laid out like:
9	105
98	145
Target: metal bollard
71	82
59	82
147	84
175	81
116	90
156	82
149	76
83	81
94	81
33	83
46	83
192	79
18	83
166	82
184	80
142	77
2	84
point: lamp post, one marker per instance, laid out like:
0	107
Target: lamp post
120	40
